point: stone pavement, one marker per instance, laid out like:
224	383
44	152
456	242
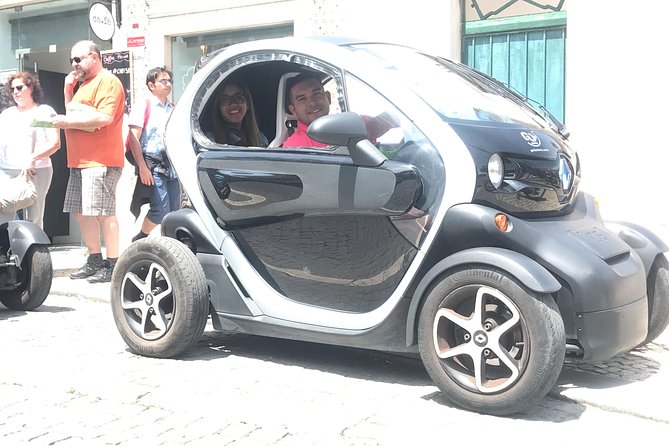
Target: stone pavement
629	384
67	378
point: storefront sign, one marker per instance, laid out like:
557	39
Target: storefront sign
101	21
136	41
120	64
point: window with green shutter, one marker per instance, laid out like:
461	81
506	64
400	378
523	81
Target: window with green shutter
530	60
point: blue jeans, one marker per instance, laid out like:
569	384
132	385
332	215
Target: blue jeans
165	197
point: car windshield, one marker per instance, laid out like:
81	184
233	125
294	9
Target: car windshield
454	91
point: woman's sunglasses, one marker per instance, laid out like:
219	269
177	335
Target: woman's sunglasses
17	87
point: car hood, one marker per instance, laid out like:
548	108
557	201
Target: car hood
514	140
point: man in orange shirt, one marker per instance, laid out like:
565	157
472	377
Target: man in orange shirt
95	155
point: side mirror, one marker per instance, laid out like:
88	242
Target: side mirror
347	129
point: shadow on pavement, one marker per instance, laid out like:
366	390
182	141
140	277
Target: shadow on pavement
630	367
354	363
349	362
6	313
554	410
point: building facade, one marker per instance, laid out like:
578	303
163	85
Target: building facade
587	62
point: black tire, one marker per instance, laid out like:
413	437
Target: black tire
159	297
36	274
517	336
658	298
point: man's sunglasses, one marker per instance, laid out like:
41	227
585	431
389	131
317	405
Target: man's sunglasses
79	59
165	82
17	87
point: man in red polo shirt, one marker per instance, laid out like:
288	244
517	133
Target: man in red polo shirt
309	101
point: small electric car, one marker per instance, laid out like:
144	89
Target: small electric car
456	230
26	270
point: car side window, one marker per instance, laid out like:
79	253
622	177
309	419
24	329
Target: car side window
398	138
388	128
330	85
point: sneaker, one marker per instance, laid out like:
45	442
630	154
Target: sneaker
87	270
103	274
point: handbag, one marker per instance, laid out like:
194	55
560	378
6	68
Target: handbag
18	192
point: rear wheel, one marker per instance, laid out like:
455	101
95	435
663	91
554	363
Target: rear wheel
36	274
159	297
488	343
658	298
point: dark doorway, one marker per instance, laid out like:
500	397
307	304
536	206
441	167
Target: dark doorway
56	222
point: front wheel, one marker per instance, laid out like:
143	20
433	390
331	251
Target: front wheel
489	344
159	297
658	298
35	275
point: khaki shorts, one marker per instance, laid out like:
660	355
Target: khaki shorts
92	191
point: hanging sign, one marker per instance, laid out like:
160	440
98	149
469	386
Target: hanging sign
101	21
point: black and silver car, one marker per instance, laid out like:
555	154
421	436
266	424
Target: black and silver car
460	234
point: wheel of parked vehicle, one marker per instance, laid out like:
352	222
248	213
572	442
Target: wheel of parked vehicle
35	275
159	297
488	343
658	298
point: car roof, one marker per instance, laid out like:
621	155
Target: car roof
285	43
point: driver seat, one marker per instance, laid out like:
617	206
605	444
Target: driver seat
286	123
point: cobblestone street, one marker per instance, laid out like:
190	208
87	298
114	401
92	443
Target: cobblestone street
67	378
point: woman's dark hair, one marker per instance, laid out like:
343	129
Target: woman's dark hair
250	133
6	100
29	80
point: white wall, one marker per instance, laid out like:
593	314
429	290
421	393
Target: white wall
616	105
424	24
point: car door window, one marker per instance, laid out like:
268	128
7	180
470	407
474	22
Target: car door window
398	138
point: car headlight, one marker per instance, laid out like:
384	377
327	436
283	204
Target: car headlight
496	170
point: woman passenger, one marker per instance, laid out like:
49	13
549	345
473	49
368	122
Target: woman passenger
234	120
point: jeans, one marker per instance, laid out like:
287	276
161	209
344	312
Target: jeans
165	197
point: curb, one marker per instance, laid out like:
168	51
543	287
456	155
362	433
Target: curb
63	272
62	285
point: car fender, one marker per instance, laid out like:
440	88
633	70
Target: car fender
643	241
22	235
527	271
187	223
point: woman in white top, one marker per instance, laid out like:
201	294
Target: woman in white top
24	147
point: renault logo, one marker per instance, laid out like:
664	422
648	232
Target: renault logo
565	175
532	139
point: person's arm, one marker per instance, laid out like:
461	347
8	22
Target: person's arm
136	148
50	147
379	125
68	89
86	119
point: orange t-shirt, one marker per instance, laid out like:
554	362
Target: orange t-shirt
104	146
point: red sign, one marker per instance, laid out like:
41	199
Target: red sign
135	41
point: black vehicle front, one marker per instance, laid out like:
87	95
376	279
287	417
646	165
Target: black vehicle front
526	200
527	169
525	164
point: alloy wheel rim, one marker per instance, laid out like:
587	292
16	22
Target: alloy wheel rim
147	300
480	339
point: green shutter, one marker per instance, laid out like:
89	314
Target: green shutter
531	62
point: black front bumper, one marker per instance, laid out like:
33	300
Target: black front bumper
603	298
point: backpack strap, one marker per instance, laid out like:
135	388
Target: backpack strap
147	112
